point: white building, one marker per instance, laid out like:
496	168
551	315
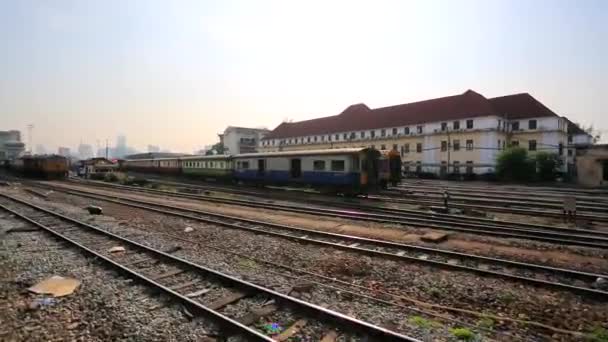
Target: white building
241	140
452	134
10	144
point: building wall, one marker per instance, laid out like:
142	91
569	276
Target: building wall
591	164
10	144
241	140
489	136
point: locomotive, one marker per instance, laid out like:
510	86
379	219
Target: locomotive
44	166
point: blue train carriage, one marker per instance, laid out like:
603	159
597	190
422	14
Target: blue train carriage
350	171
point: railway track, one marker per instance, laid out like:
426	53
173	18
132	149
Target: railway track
520	208
567	236
597	206
538	275
503	189
185	282
587	209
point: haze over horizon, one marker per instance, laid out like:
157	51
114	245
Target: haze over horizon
176	73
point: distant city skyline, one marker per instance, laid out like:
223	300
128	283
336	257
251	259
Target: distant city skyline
176	73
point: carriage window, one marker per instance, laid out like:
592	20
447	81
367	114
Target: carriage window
337	165
245	164
318	165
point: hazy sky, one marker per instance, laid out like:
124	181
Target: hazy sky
175	73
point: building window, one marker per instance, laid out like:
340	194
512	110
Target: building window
352	135
318	165
419	129
419	147
308	139
569	153
469	167
444	146
329	137
514	143
456	125
515	126
337	137
456	145
469	124
532	124
337	165
362	135
395	147
383	147
315	138
406	130
406	166
345	136
372	134
322	138
456	167
532	145
444	126
245	165
394	131
383	132
418	167
469	145
407	148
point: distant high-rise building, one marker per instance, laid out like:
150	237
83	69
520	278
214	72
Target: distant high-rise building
121	147
153	148
10	144
85	151
63	151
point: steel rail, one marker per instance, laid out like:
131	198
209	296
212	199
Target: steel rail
224	321
315	310
179	212
404	213
461	197
596	241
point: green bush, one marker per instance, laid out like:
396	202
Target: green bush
110	177
547	165
513	164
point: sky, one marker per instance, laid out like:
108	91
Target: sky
175	73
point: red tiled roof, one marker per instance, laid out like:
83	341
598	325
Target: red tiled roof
466	105
520	106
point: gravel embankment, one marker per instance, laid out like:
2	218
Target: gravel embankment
455	289
580	258
105	307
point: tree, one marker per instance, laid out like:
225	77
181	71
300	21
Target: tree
547	165
216	149
513	164
595	134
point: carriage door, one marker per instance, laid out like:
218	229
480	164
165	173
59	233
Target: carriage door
261	167
296	168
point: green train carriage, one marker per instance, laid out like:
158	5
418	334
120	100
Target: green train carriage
215	167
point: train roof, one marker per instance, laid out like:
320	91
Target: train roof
332	151
210	157
136	160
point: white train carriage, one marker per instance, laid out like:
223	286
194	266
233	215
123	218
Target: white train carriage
344	170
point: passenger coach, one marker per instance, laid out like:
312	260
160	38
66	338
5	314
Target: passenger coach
215	167
350	171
